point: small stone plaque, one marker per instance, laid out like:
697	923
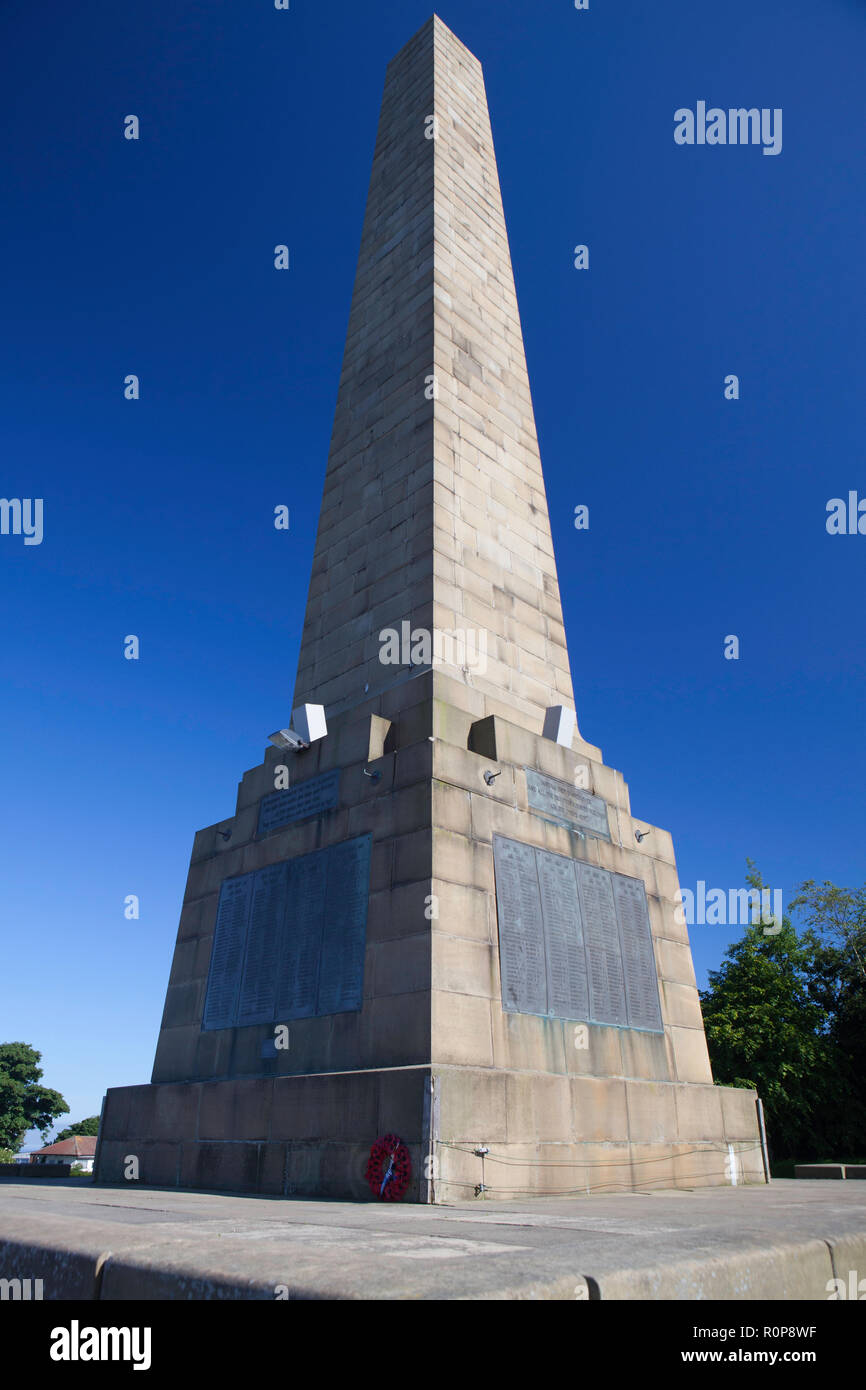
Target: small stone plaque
308	798
566	805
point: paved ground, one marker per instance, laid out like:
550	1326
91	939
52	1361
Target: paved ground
780	1242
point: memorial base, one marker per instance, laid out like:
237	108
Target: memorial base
310	1136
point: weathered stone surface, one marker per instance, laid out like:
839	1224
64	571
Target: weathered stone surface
434	517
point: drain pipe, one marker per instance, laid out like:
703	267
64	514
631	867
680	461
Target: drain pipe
763	1132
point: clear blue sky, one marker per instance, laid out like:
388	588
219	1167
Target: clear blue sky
707	516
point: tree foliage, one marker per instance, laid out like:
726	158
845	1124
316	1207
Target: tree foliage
786	1013
88	1126
24	1104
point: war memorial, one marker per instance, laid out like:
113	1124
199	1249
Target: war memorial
432	914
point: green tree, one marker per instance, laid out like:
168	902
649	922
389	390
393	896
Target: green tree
766	1028
836	930
24	1104
88	1126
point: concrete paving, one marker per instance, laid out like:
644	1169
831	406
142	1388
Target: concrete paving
785	1241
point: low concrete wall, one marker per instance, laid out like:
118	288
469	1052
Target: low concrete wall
24	1171
84	1269
830	1170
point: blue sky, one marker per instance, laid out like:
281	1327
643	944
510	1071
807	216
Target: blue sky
707	516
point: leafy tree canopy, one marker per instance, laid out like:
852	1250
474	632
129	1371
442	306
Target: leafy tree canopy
88	1126
24	1104
786	1013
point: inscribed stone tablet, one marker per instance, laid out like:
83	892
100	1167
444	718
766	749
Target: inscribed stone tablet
227	953
264	938
298	982
601	933
341	972
564	804
521	931
567	992
308	798
289	939
638	958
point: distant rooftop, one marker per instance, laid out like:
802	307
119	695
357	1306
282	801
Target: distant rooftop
79	1146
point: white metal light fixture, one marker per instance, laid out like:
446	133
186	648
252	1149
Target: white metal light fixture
287	738
560	723
308	726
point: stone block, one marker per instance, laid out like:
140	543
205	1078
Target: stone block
402	965
451	808
739	1114
176	1052
396	1031
646	1056
652	1168
599	1107
238	1109
342	1106
222	1167
462	911
172	1112
651	1112
674	961
593	1049
272	1169
472	1106
401	911
159	1164
681	1005
699	1113
464	967
402	1103
461	860
461	1029
691	1059
538	1107
184	1003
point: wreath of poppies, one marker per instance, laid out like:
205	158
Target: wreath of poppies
389	1169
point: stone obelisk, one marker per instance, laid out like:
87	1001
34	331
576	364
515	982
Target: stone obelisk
438	919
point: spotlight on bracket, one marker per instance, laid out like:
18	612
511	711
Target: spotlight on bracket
640	835
490	777
226	834
287	738
309	726
375	776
